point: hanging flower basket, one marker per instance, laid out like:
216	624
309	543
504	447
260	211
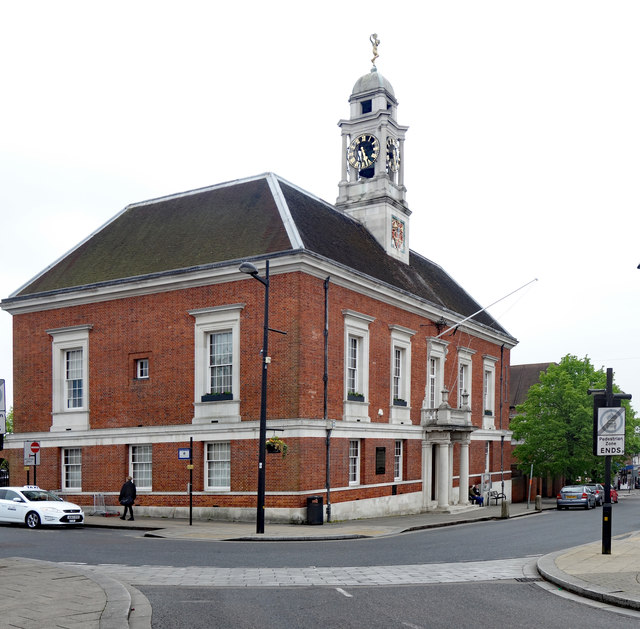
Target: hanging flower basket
275	444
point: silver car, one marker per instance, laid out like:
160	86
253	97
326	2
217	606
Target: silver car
598	490
576	496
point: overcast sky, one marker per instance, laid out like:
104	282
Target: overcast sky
522	155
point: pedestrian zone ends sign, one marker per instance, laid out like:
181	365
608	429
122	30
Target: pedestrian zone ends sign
611	428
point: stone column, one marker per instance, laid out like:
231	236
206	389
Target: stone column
401	170
464	473
443	475
426	474
450	488
344	158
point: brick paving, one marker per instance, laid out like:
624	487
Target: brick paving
414	574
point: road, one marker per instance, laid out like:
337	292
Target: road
467	575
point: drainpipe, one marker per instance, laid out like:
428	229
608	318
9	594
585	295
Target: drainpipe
500	424
325	379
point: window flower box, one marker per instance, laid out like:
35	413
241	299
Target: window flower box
488	412
399	401
217	397
354	396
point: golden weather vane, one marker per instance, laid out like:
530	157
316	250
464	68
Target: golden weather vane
375	42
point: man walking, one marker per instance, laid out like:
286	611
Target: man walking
127	498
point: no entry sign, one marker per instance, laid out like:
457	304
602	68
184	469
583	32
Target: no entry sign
32	453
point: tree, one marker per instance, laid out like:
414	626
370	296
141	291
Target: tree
4	464
555	423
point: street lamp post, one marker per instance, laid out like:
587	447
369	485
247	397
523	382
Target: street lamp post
250	269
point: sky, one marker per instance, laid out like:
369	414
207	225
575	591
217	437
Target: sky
521	158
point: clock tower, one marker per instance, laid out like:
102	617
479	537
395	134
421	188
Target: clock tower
371	188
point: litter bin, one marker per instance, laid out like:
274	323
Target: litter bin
314	510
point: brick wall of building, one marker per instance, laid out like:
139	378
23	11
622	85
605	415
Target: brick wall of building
159	327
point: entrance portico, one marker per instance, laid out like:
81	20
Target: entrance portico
444	430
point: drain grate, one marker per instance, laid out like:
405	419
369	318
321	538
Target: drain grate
528	579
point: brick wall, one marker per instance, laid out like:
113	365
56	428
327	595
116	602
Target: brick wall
159	327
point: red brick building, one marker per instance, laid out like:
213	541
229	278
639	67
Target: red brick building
147	335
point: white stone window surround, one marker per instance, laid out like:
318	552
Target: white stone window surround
354	461
398	453
436	350
400	341
71	466
465	364
141	466
356	325
217	464
489	397
207	320
63	340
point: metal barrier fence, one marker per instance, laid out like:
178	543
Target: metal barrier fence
100	506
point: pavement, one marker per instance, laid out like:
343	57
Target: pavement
39	593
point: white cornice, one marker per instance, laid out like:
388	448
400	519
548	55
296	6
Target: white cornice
288	262
178	434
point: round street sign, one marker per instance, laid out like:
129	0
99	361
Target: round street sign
35	447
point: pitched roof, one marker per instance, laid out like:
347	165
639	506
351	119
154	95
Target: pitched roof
259	216
181	231
521	379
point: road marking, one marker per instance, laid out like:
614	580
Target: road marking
344	593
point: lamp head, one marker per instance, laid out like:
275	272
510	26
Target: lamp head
248	268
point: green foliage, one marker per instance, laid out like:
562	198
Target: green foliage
4	464
278	445
555	423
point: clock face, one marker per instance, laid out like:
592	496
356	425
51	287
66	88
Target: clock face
393	155
363	151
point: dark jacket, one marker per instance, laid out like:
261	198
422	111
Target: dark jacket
127	493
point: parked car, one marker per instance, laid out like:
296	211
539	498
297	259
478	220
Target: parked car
598	490
576	496
34	506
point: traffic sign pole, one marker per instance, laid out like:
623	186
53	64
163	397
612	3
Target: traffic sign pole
3	414
606	421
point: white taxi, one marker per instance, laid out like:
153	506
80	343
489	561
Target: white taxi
34	506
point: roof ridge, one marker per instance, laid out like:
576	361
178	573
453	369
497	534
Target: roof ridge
285	214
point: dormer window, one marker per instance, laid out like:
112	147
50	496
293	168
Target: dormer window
367	106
